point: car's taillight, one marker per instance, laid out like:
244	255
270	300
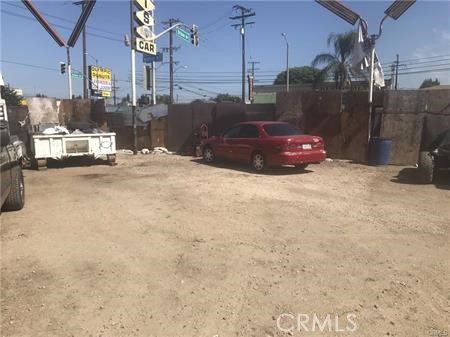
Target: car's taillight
317	142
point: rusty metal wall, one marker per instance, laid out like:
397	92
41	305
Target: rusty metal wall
413	119
340	118
185	119
158	132
124	137
82	110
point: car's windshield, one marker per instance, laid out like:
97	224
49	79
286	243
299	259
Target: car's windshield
281	129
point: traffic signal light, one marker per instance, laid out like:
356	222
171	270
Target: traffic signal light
63	67
194	35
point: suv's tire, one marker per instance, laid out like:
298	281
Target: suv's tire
301	166
426	167
208	154
16	197
258	161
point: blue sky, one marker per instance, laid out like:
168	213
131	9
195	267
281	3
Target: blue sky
421	34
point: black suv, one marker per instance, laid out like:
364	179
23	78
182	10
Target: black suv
12	185
435	157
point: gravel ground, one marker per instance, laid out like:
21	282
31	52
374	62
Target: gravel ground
164	245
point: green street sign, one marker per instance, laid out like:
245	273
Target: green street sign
181	33
77	74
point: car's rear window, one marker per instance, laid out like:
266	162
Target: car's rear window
281	130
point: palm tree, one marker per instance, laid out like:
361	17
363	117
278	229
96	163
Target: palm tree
337	63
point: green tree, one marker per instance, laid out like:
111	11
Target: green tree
10	96
429	83
300	75
227	98
337	63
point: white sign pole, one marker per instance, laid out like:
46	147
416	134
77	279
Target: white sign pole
133	80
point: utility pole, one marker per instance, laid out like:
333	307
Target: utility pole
396	72
133	79
245	13
85	75
287	61
114	88
251	80
170	23
392	76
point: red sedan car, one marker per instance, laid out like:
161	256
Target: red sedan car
265	144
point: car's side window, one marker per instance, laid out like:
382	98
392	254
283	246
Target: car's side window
249	131
233	132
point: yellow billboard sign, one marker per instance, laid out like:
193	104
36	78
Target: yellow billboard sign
100	81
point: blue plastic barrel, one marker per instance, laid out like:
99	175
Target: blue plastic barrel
379	151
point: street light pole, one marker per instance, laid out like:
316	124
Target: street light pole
287	61
133	79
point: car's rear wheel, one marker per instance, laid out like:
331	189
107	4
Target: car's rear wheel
16	197
426	167
208	154
301	166
258	162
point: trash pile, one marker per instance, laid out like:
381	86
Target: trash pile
145	151
72	128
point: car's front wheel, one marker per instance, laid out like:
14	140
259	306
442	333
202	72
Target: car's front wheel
426	167
208	154
258	162
16	197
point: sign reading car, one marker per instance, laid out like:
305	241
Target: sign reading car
144	46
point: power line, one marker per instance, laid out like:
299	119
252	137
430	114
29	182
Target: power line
213	23
60	26
30	65
61	18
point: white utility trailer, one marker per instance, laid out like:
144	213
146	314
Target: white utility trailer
60	146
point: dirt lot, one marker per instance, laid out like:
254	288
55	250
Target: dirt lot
166	246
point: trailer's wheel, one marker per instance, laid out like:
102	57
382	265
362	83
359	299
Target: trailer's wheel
111	159
41	164
16	197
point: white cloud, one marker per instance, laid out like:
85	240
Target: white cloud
445	35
